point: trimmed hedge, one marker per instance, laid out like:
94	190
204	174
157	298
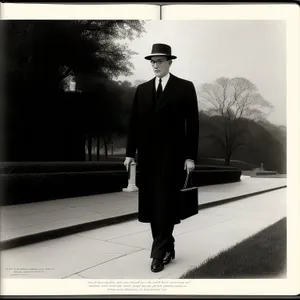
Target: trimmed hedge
209	177
57	167
24	188
31	181
220	162
213	167
202	177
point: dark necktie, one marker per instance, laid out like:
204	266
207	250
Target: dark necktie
159	89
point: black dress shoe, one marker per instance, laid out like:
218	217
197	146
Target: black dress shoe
169	255
157	265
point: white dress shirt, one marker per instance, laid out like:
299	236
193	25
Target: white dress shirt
164	81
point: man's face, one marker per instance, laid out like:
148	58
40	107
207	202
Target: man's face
160	65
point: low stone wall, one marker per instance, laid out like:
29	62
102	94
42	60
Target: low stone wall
261	173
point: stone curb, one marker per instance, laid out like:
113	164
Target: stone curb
226	200
60	232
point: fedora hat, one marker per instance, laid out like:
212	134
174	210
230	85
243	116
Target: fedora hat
159	50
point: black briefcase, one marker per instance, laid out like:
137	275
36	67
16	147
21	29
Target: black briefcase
188	199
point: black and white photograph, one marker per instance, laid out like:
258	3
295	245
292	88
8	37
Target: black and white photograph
144	149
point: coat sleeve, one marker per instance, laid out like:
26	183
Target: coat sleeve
132	128
192	123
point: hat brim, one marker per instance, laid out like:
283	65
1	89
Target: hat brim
148	57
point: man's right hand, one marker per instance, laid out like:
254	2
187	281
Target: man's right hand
128	161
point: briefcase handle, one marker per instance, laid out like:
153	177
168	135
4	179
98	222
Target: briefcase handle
186	180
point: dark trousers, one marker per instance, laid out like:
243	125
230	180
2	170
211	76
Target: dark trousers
163	240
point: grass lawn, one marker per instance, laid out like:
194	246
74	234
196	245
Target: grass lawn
262	255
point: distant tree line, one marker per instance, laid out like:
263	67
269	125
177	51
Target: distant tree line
235	122
43	122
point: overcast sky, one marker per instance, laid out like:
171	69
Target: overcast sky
207	50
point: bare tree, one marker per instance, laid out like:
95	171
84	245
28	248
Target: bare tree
232	103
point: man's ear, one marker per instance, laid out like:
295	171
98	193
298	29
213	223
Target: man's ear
170	62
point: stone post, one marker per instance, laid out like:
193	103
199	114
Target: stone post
132	179
72	85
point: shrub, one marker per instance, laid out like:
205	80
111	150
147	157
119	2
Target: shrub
33	181
23	188
57	167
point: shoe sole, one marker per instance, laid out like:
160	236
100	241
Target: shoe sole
155	271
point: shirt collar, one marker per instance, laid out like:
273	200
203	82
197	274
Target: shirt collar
164	79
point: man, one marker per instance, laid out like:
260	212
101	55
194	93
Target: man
164	128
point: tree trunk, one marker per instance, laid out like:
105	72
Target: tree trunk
227	161
228	157
90	147
105	147
98	148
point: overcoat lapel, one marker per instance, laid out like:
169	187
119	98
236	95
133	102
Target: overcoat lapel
168	93
148	95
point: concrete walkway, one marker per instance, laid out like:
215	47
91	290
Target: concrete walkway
32	222
122	251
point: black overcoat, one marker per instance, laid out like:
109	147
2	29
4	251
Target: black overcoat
164	134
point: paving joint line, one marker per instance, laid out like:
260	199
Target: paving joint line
104	262
140	248
65	231
78	275
94	266
205	226
127	235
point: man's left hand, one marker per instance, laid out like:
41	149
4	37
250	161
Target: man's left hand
189	165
